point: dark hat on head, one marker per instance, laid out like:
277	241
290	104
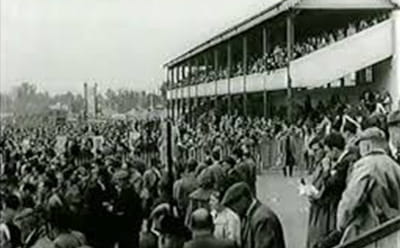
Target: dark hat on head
394	118
235	193
174	226
372	133
202	219
201	194
229	160
205	179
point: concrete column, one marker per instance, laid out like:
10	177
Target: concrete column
289	46
172	105
265	50
169	98
229	64
206	73
173	94
179	72
189	103
182	99
216	67
178	106
394	79
244	75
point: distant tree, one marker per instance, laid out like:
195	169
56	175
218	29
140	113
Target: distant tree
5	103
28	100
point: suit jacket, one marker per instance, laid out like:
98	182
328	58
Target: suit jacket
252	173
95	196
209	241
97	218
217	175
246	172
182	190
151	177
335	181
128	210
261	228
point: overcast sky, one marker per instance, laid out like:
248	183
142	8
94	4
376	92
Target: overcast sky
59	44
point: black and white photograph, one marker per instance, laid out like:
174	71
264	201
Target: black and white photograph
199	124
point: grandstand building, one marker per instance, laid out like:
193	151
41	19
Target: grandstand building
295	49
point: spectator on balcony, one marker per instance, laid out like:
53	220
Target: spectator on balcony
363	24
239	70
331	38
340	34
351	29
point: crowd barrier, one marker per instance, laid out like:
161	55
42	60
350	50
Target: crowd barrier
269	153
147	157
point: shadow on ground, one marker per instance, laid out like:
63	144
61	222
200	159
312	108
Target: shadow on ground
281	194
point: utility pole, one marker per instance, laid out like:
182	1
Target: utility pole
289	43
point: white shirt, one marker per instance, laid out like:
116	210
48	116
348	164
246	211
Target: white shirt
393	149
5	236
227	225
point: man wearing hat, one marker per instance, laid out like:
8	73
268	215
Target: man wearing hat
250	163
245	171
202	228
98	201
394	134
201	196
173	232
127	211
261	228
215	170
372	194
185	186
151	178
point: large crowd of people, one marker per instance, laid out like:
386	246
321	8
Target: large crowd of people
90	185
77	184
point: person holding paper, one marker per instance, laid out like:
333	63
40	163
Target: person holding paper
319	213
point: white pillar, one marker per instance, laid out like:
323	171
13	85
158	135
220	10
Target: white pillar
394	81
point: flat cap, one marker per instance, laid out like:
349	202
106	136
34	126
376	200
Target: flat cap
120	175
372	133
201	219
201	194
205	179
235	192
393	118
